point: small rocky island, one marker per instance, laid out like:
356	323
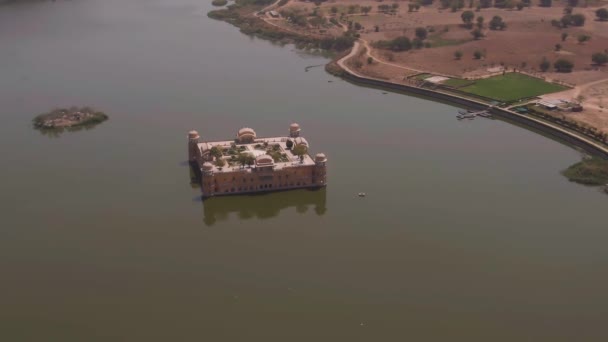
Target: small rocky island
59	119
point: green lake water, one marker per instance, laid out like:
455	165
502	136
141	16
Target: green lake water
468	231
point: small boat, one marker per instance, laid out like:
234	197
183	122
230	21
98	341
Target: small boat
462	112
361	194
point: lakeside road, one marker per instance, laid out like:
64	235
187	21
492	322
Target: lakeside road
589	144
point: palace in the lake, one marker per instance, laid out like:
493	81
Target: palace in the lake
249	164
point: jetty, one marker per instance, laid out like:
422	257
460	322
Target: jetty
469	114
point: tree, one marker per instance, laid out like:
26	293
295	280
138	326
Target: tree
458	54
243	159
599	58
558	47
300	151
370	60
421	33
220	162
216	151
467	18
366	9
477	54
485	3
334	9
520	6
477	34
546	3
563	65
577	19
480	22
544	64
583	38
602	14
564	36
497	24
566	20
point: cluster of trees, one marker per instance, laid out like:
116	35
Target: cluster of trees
454	5
495	24
572	124
509	4
477	54
384	8
337	43
560	65
404	43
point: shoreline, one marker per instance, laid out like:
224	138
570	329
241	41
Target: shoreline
338	67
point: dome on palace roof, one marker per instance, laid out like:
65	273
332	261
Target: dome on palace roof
246	130
294	126
193	135
320	157
264	160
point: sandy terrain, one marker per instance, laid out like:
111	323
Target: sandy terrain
528	38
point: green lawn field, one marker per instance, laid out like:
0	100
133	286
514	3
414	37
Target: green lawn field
511	87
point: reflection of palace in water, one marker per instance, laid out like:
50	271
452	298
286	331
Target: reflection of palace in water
252	206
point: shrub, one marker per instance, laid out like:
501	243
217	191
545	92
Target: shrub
599	58
602	14
577	19
544	64
563	65
583	38
458	54
477	34
477	54
497	23
546	3
421	33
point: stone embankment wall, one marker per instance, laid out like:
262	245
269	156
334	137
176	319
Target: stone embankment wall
552	130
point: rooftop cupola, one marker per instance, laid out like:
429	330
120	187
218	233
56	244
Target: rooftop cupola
245	135
294	130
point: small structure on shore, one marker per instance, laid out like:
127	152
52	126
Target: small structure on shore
68	117
249	164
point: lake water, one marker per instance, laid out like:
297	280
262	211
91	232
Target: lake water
468	231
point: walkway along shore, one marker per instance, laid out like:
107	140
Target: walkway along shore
583	142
